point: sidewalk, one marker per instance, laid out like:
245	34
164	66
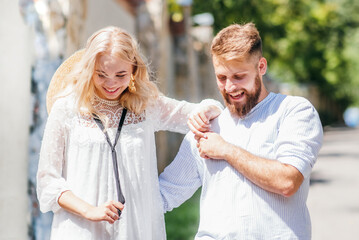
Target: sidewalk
333	199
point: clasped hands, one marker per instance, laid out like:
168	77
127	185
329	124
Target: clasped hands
209	144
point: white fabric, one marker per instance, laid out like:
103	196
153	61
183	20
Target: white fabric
280	127
75	156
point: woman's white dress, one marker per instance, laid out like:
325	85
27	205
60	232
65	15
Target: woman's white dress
75	156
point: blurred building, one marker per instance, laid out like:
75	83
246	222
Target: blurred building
15	72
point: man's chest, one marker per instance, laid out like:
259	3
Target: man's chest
256	137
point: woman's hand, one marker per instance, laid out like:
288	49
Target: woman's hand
198	123
105	212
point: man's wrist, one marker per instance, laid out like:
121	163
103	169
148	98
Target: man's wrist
227	151
230	152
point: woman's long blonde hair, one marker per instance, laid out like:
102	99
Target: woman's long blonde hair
116	42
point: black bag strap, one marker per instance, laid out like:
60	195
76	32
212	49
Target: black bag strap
120	196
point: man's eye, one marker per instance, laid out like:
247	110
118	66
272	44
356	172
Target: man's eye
238	77
221	78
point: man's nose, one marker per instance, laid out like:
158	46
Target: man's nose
229	85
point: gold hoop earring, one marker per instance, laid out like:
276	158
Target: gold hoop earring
131	86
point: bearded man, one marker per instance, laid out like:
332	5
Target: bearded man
254	166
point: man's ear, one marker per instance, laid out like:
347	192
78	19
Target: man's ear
262	66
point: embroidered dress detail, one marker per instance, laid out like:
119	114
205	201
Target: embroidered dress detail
113	110
113	103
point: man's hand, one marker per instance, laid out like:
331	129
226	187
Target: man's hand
198	123
271	175
212	145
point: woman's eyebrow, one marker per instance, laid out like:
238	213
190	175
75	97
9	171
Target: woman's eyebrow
123	72
100	71
120	72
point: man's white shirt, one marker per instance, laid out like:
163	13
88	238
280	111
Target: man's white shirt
282	128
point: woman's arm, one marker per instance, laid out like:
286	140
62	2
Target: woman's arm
50	182
172	115
105	212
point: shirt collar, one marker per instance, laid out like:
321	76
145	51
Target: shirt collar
268	98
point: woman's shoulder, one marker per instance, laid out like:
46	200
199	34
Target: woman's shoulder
153	106
64	104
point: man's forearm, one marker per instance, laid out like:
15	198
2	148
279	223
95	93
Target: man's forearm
270	175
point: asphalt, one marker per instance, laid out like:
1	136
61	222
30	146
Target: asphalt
333	199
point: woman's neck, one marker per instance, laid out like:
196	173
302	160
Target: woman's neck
101	101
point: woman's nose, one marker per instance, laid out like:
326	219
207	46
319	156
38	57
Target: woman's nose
110	81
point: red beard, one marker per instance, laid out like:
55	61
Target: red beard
242	109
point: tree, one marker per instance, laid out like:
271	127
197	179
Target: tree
305	41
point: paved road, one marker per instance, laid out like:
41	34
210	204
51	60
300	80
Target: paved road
333	199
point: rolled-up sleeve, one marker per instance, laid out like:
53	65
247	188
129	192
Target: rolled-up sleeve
300	137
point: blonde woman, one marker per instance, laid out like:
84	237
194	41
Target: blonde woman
99	179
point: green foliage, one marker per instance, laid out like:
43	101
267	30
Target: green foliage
353	66
305	41
173	7
175	10
182	222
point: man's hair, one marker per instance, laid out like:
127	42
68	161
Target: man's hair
237	42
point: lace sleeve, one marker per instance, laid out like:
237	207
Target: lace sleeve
172	115
50	183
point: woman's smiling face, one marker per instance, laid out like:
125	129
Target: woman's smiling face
111	77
